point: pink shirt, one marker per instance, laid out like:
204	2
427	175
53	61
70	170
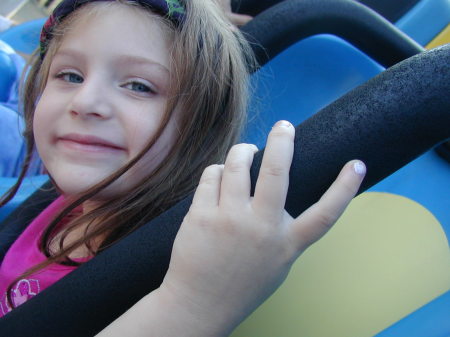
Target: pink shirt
24	254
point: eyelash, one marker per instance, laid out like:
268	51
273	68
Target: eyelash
145	89
63	74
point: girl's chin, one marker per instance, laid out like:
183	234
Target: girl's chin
70	188
76	190
76	184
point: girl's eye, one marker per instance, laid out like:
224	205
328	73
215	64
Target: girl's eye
70	77
139	87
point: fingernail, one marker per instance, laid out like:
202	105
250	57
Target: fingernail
284	124
359	168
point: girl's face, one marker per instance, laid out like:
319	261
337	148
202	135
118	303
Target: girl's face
104	100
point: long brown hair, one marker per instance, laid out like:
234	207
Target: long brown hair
211	63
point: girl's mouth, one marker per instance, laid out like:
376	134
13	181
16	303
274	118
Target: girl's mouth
88	143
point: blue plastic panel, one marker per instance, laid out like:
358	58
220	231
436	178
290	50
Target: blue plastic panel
29	186
425	20
432	320
7	75
11	142
25	37
303	79
427	181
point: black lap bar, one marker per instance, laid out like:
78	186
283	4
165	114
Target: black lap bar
289	21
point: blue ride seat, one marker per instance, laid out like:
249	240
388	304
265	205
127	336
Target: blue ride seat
303	79
11	124
8	75
12	143
425	20
422	20
11	66
24	38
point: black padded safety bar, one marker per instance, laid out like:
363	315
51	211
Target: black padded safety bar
289	21
389	9
252	7
387	122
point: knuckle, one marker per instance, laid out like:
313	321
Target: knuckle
237	159
211	174
282	133
325	220
235	165
208	180
200	218
275	170
322	223
231	219
230	224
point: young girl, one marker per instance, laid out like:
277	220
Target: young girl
127	102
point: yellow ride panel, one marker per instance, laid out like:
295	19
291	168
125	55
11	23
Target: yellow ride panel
441	39
386	257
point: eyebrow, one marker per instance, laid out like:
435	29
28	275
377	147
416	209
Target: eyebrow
122	59
139	60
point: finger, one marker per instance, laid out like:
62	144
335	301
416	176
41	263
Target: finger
273	179
239	19
207	192
224	4
312	224
235	187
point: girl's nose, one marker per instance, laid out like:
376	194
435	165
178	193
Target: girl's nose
91	100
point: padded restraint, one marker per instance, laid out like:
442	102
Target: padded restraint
391	10
357	24
386	122
252	7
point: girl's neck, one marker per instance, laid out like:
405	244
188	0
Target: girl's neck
76	234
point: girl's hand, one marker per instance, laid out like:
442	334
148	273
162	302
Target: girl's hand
235	19
233	251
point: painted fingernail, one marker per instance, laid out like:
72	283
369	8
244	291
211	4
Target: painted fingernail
359	167
284	124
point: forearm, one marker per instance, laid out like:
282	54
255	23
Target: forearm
160	314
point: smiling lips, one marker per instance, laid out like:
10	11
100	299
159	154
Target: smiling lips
88	143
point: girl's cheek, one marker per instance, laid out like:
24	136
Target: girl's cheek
159	151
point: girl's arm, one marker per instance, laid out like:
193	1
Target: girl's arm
162	314
232	250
